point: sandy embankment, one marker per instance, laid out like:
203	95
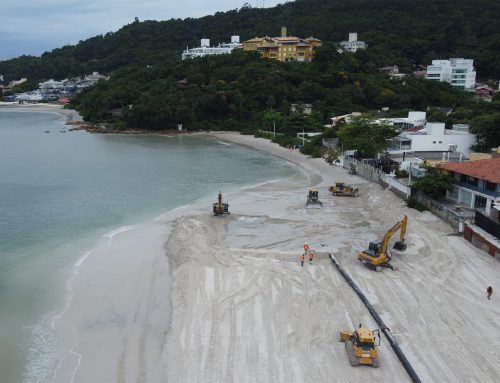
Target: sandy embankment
245	311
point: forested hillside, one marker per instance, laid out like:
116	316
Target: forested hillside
402	32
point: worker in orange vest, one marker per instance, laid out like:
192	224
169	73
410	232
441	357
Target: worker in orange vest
311	257
302	260
306	248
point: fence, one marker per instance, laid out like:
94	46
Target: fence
487	224
446	214
373	174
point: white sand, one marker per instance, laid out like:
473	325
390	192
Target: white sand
243	310
70	114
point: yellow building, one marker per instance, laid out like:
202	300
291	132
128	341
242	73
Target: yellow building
284	48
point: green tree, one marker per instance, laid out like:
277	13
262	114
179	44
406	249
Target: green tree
366	136
487	130
434	183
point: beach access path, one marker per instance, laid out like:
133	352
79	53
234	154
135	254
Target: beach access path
244	310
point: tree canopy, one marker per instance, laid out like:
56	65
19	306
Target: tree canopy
366	136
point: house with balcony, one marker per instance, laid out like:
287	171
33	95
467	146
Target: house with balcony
434	138
459	72
476	183
284	48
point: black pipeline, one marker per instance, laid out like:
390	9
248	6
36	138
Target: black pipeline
387	332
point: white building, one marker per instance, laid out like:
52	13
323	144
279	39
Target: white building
353	44
414	120
206	50
434	138
459	72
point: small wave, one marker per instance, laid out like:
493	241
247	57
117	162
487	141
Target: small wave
115	232
224	143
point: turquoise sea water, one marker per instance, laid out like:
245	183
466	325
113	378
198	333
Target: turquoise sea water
61	191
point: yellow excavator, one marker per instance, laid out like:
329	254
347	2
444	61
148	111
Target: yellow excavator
377	255
361	346
220	207
344	190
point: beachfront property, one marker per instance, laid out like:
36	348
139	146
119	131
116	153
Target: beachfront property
284	48
206	50
476	183
434	138
352	45
458	72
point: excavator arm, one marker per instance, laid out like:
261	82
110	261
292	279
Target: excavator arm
400	245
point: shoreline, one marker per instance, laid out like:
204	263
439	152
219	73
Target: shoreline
242	309
72	116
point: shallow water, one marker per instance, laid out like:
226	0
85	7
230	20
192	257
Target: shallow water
62	191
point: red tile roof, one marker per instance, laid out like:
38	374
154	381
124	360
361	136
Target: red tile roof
488	170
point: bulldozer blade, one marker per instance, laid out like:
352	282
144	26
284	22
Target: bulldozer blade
401	246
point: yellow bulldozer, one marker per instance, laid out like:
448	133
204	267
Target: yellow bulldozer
220	207
377	255
344	190
361	346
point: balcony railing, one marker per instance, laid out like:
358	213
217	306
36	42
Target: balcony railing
478	189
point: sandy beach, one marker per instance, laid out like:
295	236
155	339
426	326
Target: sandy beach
70	114
226	300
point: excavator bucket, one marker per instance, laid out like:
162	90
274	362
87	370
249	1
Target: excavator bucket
399	245
345	336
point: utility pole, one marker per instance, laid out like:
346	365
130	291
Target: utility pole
274	129
303	137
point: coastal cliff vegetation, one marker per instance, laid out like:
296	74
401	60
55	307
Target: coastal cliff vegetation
151	88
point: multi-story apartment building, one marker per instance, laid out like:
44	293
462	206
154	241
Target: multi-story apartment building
459	72
206	50
353	44
284	48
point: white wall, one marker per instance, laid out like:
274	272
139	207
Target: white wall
438	139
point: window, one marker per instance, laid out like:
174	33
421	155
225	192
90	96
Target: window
433	142
463	178
490	186
454	193
479	202
465	197
440	142
472	181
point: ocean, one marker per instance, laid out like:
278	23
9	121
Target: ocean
61	192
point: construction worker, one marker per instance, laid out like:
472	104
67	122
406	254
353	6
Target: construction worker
302	260
311	257
489	291
306	248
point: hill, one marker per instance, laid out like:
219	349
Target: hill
400	32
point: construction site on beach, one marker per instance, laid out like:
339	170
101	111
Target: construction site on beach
247	310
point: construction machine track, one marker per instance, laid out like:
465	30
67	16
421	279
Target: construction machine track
350	353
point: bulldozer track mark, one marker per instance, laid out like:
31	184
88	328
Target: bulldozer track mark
143	339
229	377
209	359
120	367
250	284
